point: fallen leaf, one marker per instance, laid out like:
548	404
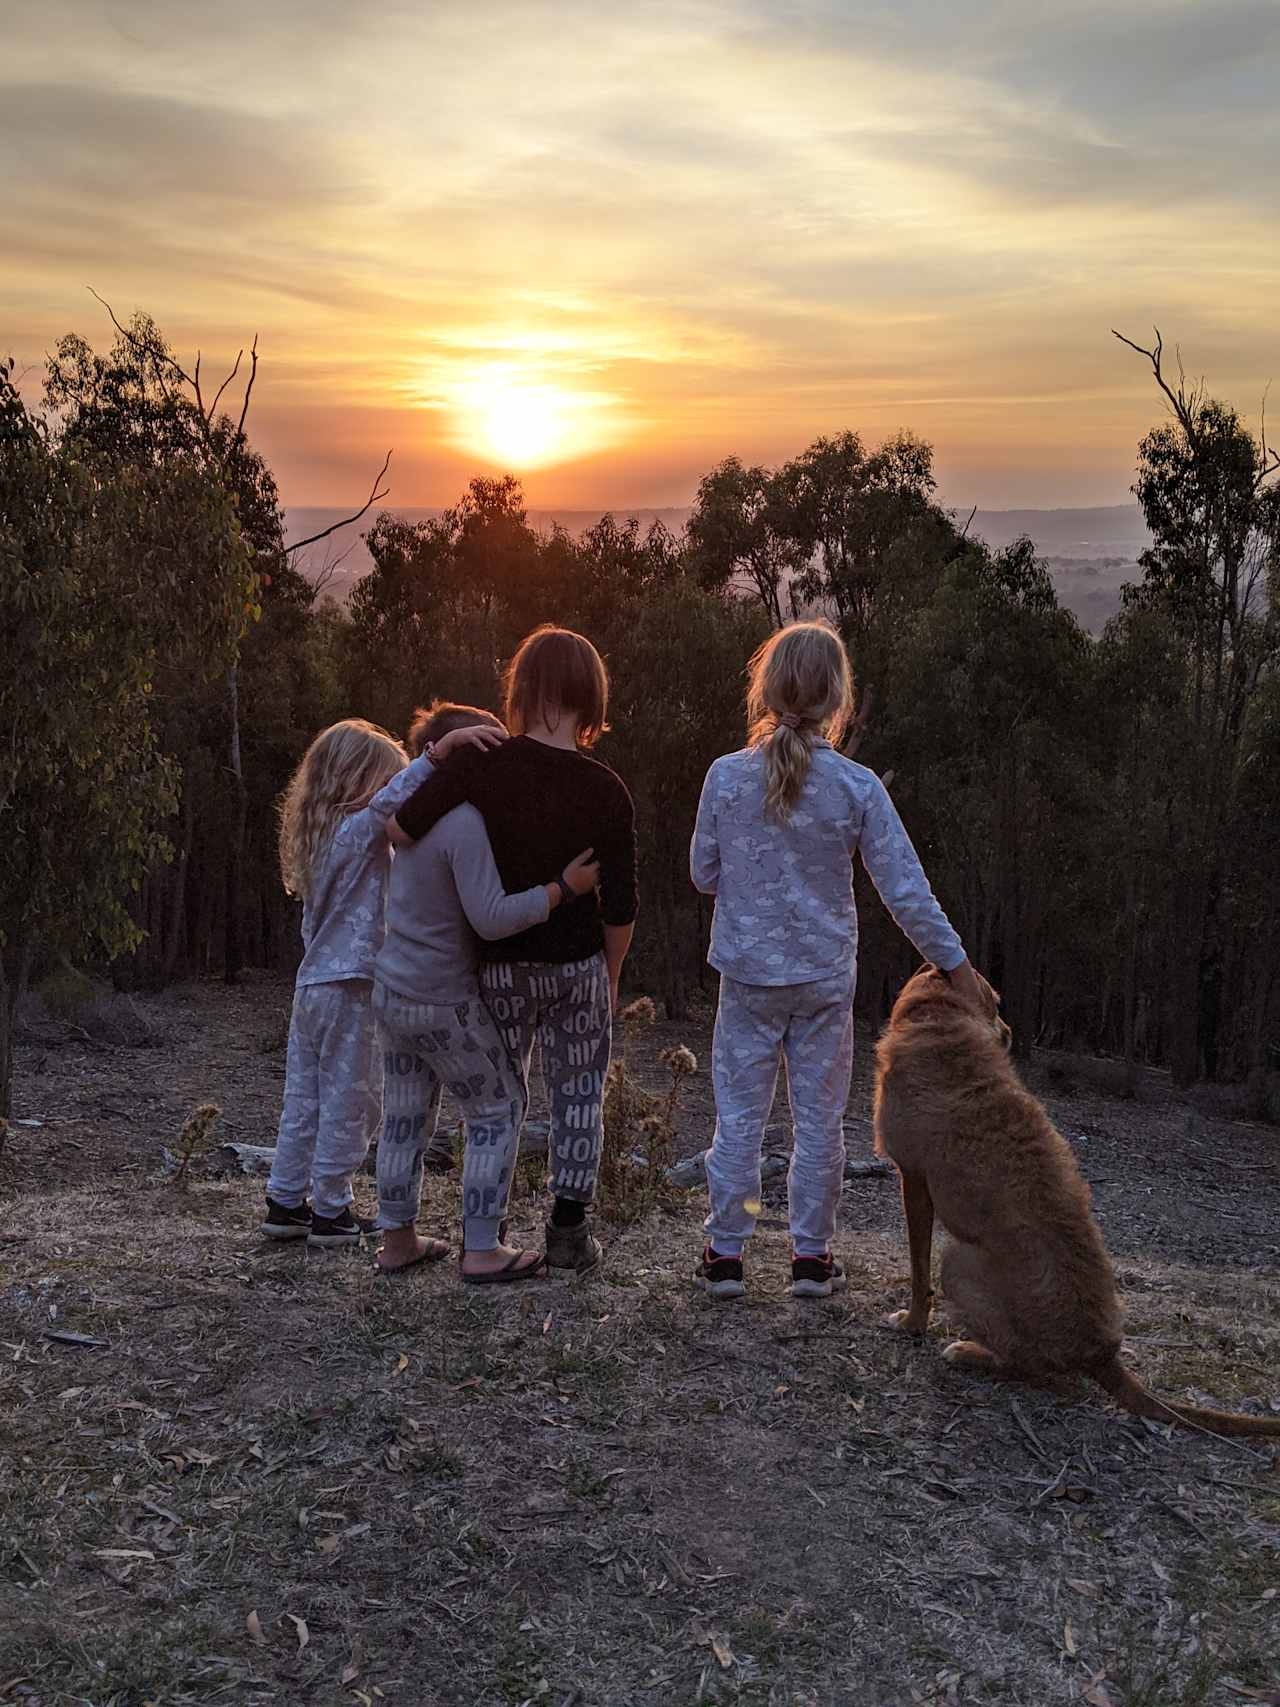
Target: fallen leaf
328	1543
123	1553
471	1381
253	1624
1069	1639
350	1672
356	1529
300	1625
63	1336
546	1326
1082	1587
402	1363
721	1649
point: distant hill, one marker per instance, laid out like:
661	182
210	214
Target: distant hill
1091	553
348	543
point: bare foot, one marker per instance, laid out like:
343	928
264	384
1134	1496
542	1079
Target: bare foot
907	1321
971	1355
405	1247
488	1262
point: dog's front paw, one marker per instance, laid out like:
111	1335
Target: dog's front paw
969	1354
906	1321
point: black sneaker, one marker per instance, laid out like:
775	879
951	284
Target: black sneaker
816	1277
573	1247
720	1277
329	1231
283	1222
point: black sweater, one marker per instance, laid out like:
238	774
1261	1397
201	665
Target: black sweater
541	806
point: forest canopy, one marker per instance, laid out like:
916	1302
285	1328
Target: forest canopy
1100	818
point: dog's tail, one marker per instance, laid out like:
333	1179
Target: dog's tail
1129	1393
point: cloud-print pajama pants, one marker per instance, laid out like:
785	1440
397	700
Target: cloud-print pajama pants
810	1026
430	1048
332	1096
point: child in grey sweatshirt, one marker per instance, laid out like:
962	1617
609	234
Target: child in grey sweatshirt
437	1032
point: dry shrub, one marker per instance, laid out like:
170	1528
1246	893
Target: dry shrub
193	1139
65	993
639	1126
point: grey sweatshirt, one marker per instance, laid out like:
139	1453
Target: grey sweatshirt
785	912
343	912
442	889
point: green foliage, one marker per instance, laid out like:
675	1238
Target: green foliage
83	788
1098	818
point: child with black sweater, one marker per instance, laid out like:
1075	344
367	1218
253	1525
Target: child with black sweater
543	799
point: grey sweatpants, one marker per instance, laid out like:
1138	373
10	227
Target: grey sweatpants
428	1048
810	1026
564	1008
332	1096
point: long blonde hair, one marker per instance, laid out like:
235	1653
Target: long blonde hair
799	687
342	767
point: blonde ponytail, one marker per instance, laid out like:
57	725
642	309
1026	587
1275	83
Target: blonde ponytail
799	687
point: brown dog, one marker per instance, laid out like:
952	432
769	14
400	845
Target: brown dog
1025	1266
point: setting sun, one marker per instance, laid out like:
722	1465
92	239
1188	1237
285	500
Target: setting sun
518	417
524	426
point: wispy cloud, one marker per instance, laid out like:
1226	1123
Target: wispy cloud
717	226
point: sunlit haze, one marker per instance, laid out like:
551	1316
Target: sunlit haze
606	247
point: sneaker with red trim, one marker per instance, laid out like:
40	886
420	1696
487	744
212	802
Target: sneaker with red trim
719	1277
816	1277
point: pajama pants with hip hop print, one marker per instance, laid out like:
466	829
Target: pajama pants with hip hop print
810	1026
428	1049
332	1096
565	1009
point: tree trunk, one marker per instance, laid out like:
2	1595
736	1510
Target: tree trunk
15	969
233	952
174	929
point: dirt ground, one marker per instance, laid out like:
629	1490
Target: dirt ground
275	1477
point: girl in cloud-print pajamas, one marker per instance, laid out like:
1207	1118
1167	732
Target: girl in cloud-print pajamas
778	824
334	853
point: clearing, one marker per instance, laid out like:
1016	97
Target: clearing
276	1477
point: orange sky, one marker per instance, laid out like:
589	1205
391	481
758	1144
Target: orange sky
606	251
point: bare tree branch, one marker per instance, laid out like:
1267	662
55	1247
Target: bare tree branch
162	356
364	509
972	513
248	390
320	582
213	407
134	339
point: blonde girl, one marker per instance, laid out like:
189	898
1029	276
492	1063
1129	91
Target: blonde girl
778	825
335	855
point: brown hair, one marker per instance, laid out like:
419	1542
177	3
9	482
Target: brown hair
799	687
441	718
555	673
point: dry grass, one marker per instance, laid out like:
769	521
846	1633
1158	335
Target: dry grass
610	1491
604	1491
639	1123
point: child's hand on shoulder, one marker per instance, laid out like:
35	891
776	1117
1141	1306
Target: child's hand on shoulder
482	735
